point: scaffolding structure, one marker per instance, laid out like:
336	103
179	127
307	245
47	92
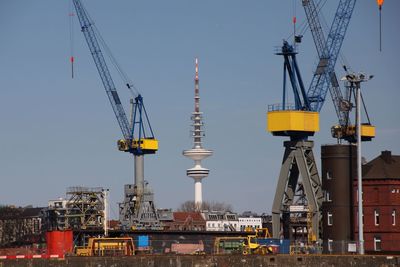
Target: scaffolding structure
85	208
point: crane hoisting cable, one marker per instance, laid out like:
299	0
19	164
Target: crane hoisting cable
71	38
380	3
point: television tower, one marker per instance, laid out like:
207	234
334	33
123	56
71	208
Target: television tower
197	153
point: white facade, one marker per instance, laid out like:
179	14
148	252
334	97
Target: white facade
249	222
57	204
218	221
222	225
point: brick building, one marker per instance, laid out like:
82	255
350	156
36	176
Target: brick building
186	221
381	203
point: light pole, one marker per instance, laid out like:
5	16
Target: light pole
355	80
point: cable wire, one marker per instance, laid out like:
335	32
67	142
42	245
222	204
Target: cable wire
114	62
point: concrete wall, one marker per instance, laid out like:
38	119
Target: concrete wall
211	261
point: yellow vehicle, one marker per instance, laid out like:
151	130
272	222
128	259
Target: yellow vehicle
107	246
249	244
263	233
229	245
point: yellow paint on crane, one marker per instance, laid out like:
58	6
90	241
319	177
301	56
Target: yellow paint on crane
145	144
292	121
367	131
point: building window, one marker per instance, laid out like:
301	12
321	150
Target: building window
328	175
376	216
330	219
327	197
393	217
330	245
377	243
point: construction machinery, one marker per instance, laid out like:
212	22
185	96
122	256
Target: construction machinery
325	78
259	243
137	208
105	246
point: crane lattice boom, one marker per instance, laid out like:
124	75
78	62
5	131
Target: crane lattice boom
90	36
324	78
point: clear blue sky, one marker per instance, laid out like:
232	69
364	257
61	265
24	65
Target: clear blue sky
58	132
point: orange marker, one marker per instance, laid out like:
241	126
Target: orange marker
72	66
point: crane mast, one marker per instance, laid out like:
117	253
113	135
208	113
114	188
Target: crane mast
297	122
137	209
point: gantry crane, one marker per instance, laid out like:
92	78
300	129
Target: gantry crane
325	78
301	120
298	122
138	138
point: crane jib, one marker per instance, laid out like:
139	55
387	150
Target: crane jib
142	144
324	78
116	97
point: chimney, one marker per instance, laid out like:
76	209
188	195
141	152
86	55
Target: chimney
386	156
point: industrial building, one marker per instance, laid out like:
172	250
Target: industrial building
21	226
338	172
381	201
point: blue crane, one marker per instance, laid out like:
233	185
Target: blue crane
138	134
325	78
138	208
291	68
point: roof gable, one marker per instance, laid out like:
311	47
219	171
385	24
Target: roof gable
183	216
385	166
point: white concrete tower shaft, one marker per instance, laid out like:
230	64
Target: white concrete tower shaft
197	153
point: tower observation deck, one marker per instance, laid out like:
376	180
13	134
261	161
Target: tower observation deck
197	153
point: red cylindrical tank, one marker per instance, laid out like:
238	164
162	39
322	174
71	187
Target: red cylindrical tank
59	242
68	241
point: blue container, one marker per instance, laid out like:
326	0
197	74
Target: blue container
143	241
284	246
268	241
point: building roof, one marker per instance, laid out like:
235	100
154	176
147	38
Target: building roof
385	166
183	216
12	213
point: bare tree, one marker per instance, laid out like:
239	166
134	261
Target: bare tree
189	206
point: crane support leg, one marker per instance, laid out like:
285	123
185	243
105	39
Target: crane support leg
137	209
139	174
297	160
